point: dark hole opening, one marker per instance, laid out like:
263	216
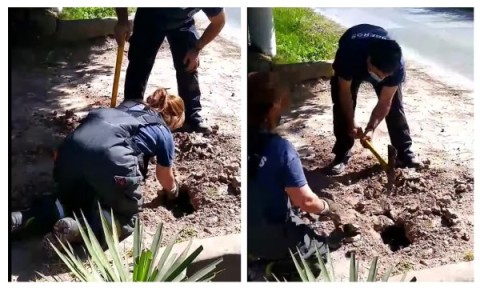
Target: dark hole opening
446	222
395	237
181	206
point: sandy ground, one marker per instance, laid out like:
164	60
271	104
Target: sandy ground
47	83
432	208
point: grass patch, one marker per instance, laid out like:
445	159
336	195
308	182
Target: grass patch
77	13
404	266
303	36
468	256
186	234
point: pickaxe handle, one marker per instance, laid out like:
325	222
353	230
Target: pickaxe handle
374	151
118	67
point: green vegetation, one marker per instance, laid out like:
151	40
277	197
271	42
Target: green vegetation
303	36
327	274
468	256
76	13
149	264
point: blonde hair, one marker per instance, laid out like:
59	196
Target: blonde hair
170	106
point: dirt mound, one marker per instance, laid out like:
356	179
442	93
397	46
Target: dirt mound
427	220
424	212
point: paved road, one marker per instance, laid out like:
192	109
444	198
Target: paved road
233	27
441	37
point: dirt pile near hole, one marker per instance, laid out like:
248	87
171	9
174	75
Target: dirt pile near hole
422	220
205	182
64	122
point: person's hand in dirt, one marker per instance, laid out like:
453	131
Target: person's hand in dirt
191	60
170	194
123	28
331	212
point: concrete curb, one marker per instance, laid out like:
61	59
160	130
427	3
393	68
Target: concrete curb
299	72
291	73
79	30
458	272
227	247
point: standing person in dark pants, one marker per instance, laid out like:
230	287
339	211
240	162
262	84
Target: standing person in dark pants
367	53
151	27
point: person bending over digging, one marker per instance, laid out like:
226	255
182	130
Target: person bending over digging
104	161
367	53
277	187
151	27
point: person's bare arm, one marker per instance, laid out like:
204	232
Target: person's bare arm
122	29
305	199
165	177
122	14
346	101
213	29
382	108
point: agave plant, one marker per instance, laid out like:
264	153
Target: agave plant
306	275
148	265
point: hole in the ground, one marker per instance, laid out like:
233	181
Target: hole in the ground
181	206
395	237
446	222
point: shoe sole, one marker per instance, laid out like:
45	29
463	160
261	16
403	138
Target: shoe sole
66	230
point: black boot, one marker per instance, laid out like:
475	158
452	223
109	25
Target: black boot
408	162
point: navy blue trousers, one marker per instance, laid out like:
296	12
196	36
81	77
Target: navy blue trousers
146	39
396	123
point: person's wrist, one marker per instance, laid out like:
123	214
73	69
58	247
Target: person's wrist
369	128
198	47
326	208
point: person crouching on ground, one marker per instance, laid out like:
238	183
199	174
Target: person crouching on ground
276	183
104	161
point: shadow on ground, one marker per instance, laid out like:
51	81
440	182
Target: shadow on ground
42	77
303	105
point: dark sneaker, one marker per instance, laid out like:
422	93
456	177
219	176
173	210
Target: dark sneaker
21	223
337	167
16	221
66	229
201	127
408	163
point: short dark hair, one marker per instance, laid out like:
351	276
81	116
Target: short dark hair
385	55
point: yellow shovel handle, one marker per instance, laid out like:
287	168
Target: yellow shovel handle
118	67
380	159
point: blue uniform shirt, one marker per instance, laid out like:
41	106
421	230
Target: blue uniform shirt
156	141
279	168
174	18
351	58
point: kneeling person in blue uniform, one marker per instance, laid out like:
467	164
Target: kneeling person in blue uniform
104	161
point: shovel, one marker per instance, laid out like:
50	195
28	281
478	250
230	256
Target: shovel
116	78
388	167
